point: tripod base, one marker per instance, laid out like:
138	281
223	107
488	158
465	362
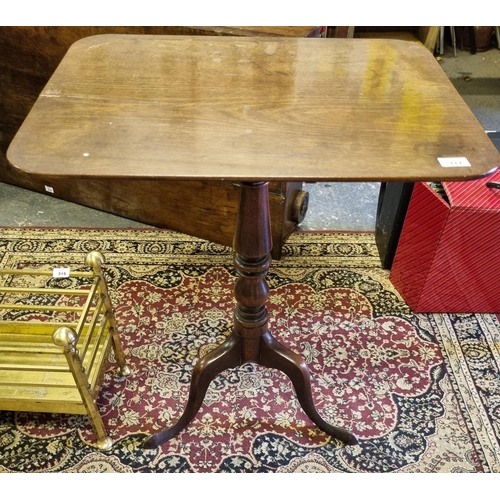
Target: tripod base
229	355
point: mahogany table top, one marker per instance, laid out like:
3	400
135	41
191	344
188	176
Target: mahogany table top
236	108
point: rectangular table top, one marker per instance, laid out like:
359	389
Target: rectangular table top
234	108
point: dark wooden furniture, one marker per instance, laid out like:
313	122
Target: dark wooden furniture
28	57
427	35
393	201
250	110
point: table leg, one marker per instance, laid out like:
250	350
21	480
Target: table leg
275	355
251	340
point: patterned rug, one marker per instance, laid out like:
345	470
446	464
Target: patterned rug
421	392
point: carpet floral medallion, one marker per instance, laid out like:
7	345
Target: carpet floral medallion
420	391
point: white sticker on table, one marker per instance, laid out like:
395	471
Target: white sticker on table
458	161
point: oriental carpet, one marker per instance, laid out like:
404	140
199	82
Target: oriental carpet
421	391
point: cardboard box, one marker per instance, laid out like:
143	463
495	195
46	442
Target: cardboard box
448	255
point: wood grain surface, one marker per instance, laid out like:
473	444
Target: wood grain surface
234	108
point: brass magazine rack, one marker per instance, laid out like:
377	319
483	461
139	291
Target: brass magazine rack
55	341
